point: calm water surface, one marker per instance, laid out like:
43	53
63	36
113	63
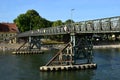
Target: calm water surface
26	67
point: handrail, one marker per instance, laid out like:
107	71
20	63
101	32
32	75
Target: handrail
104	25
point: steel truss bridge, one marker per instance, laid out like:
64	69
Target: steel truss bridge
79	49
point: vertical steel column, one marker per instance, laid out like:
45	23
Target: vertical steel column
72	38
29	43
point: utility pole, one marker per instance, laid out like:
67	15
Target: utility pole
72	14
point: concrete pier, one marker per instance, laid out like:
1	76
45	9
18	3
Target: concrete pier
69	67
27	52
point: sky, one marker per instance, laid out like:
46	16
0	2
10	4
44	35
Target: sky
53	10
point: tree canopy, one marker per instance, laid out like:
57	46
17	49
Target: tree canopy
69	21
57	23
31	20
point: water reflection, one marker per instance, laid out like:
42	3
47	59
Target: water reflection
68	75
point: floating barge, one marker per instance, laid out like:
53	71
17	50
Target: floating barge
69	67
27	52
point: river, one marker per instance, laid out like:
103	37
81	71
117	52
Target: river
26	67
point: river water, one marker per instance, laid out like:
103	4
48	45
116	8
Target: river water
26	67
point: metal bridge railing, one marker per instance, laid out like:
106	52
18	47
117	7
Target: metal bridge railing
105	25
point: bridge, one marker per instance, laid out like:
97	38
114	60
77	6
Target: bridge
79	49
105	25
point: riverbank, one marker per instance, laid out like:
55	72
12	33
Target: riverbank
8	46
15	46
106	46
5	46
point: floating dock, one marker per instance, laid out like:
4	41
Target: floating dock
27	52
69	67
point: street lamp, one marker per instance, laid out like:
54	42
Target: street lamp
72	14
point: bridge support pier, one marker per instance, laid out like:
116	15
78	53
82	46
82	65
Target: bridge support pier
77	53
34	43
33	46
83	49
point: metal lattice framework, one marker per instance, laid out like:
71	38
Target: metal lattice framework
84	48
63	57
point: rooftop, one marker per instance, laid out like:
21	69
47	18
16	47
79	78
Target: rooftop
8	27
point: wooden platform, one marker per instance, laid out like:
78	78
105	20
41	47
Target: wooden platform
27	52
69	67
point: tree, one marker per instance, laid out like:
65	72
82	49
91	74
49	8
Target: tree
57	23
22	22
31	20
69	21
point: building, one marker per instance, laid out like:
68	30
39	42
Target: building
8	31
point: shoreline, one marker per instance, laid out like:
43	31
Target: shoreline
14	47
106	46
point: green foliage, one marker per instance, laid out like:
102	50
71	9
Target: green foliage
31	20
69	21
57	23
22	22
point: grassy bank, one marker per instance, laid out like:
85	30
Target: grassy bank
49	42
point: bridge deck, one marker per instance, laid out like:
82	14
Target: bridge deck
105	25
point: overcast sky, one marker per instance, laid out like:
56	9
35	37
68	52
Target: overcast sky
60	9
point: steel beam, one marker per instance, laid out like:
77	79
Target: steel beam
34	43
